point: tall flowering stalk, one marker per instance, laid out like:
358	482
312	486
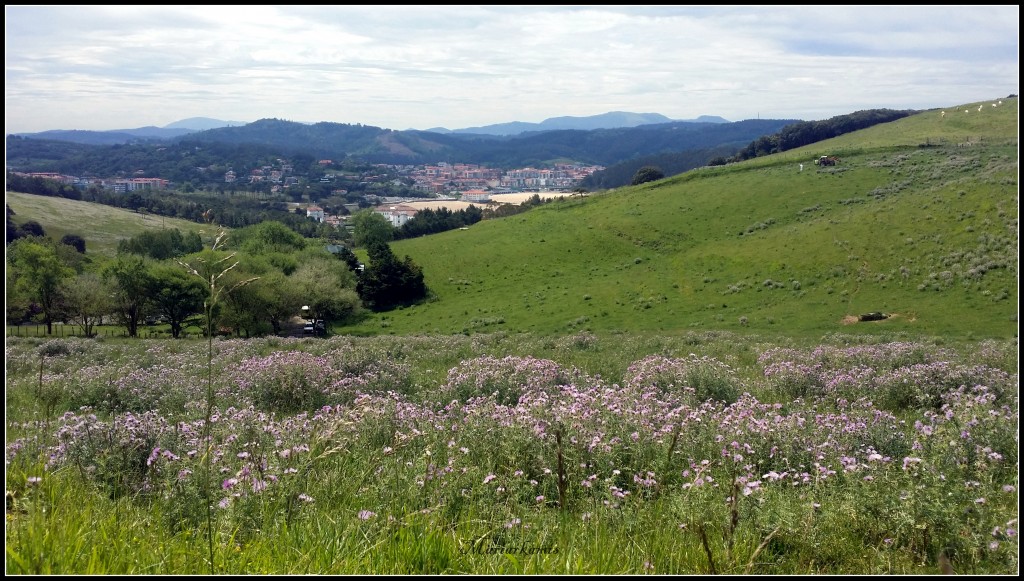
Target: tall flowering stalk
211	276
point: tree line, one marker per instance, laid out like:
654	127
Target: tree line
163	276
808	132
235	210
203	157
789	137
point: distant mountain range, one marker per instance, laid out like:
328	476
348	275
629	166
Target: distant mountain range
674	147
148	133
244	147
202	124
612	120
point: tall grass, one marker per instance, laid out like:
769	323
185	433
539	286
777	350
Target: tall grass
466	456
212	273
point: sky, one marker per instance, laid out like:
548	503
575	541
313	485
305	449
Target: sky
419	67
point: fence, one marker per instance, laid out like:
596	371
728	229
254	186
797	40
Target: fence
76	331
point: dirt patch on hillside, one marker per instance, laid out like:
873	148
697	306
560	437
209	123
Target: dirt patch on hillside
851	319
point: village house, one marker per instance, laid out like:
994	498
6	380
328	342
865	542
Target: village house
397	214
315	212
476	196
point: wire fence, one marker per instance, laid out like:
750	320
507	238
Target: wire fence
76	331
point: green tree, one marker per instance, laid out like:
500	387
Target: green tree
19	305
266	237
348	257
75	241
220	274
12	228
191	242
282	261
280	299
240	312
175	295
89	297
247	309
388	282
648	173
267	303
130	277
38	275
161	244
327	287
31	228
369	227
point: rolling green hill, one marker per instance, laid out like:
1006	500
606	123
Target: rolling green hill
101	226
918	220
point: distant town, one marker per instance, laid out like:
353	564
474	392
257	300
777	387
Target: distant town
453	186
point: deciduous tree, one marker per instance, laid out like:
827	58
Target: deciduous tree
327	287
648	173
75	241
130	277
175	295
39	274
387	282
369	227
89	297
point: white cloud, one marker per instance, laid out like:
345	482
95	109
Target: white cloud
400	67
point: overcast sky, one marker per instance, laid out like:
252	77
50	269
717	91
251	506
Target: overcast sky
411	67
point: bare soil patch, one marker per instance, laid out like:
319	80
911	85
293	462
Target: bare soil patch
851	319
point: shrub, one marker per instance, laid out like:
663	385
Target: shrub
506	378
699	378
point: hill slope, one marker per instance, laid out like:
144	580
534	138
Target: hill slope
912	222
101	226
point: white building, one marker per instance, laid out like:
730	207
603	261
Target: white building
397	215
315	212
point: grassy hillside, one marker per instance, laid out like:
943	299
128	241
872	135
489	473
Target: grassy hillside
101	226
912	222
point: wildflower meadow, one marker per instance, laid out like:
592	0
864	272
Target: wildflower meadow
698	453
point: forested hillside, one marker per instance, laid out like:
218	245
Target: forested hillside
250	146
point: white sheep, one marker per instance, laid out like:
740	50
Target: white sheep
943	114
979	107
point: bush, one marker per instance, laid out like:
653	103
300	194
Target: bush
506	378
648	173
697	378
